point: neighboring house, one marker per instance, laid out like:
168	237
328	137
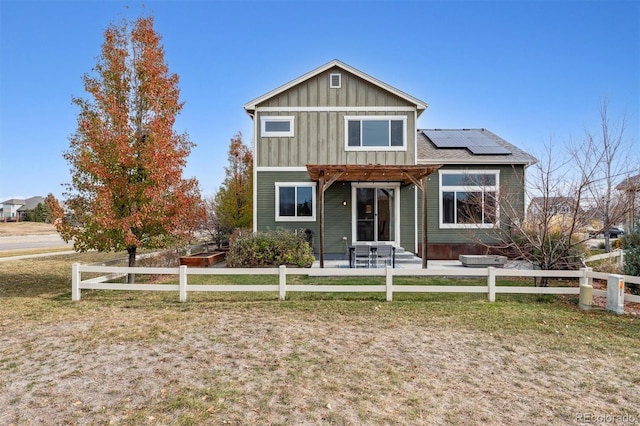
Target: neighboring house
562	214
338	152
552	205
15	208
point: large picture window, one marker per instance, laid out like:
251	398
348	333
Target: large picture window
376	132
295	202
468	199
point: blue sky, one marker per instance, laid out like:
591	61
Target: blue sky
530	71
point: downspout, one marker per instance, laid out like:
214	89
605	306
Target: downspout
415	219
425	225
415	188
255	173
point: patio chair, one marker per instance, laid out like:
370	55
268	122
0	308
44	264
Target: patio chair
384	255
362	255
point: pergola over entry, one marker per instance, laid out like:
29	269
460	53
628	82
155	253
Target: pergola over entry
327	174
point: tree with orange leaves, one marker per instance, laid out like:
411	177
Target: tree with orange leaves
127	190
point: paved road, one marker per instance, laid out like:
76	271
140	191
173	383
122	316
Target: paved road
32	242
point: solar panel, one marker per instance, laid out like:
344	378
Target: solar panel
473	140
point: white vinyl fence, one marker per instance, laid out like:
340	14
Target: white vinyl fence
619	253
585	276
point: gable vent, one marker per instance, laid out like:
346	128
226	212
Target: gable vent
335	80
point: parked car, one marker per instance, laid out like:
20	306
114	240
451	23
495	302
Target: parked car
591	231
615	232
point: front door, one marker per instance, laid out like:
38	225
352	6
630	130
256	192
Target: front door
375	211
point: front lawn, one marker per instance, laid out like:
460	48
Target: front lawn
238	358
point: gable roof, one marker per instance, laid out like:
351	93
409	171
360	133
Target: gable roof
14	202
250	106
31	203
467	146
552	201
553	205
25	204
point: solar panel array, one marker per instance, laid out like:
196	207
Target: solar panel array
473	140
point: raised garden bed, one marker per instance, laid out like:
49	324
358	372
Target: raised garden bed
203	260
482	261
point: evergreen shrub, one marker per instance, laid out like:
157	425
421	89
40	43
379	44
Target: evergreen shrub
631	245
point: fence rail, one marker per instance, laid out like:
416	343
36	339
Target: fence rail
619	253
585	276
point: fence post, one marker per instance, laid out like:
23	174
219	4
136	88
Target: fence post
586	290
491	283
615	293
75	282
183	283
621	258
282	282
389	283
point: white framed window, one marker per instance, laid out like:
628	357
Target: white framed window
276	126
468	198
371	133
295	201
335	80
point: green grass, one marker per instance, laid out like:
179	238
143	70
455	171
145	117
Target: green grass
41	287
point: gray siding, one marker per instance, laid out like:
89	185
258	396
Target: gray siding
355	91
319	136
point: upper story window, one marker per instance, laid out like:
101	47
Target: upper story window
468	199
376	132
276	126
295	201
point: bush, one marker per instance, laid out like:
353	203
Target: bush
608	266
556	251
269	249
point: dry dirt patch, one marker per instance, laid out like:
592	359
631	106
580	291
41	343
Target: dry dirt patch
272	363
8	229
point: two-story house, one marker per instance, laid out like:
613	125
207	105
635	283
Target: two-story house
15	209
338	152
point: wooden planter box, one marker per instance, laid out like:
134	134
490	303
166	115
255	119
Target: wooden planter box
203	260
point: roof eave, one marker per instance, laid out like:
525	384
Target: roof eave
474	161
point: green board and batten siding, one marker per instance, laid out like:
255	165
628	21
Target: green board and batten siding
510	186
338	215
319	135
407	217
